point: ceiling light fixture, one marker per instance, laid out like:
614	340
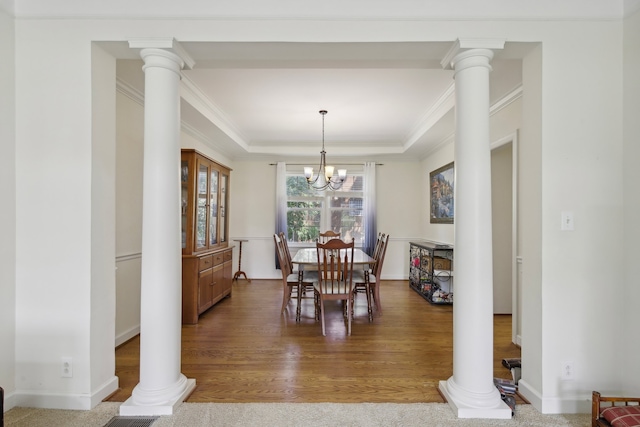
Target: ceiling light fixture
325	178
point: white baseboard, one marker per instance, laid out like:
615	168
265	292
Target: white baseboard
82	402
554	405
127	335
9	400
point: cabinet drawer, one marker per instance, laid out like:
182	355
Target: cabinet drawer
205	262
228	255
218	258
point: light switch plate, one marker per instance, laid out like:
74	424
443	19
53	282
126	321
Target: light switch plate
567	221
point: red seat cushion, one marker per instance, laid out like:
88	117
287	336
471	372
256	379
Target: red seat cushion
622	416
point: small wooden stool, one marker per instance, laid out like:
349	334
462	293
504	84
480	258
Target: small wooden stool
240	272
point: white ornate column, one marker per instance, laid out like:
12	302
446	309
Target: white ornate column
162	386
470	391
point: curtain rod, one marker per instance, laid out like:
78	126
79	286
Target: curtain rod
332	164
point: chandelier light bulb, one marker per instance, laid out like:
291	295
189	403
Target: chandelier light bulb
308	172
328	171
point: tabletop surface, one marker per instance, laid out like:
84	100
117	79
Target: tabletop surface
310	256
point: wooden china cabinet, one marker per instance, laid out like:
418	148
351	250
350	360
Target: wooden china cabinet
206	254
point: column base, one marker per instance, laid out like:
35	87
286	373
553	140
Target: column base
501	411
130	408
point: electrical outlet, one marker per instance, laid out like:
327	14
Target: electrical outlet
567	371
67	367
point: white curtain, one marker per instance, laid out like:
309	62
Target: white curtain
369	207
281	200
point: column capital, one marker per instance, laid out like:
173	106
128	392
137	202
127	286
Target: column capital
161	58
168	44
466	45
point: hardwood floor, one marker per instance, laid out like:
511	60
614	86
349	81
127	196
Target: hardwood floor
244	350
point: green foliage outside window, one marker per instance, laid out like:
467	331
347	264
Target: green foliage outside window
305	210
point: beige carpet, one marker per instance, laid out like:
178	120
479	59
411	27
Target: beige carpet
293	414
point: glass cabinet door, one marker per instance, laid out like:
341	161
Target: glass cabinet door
204	186
213	202
184	199
202	206
223	208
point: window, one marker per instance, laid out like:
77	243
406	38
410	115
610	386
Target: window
310	212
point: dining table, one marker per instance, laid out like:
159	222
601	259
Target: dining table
308	257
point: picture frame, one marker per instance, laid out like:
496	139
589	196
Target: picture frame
441	191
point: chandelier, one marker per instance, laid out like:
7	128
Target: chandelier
325	178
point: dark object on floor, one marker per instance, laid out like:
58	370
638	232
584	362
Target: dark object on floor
515	366
514	362
1	407
505	386
131	421
511	401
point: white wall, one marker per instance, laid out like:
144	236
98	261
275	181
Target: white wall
7	207
530	224
399	213
187	140
501	220
55	252
252	214
629	366
572	126
101	379
129	156
572	152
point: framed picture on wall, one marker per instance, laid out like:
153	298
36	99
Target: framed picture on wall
441	190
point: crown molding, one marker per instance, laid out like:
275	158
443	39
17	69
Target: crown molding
199	136
497	106
442	105
129	91
192	94
506	100
449	139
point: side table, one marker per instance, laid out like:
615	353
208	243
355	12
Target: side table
240	272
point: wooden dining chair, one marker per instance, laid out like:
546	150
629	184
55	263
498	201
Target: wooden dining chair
360	286
379	241
290	278
335	276
285	243
306	285
328	235
369	280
